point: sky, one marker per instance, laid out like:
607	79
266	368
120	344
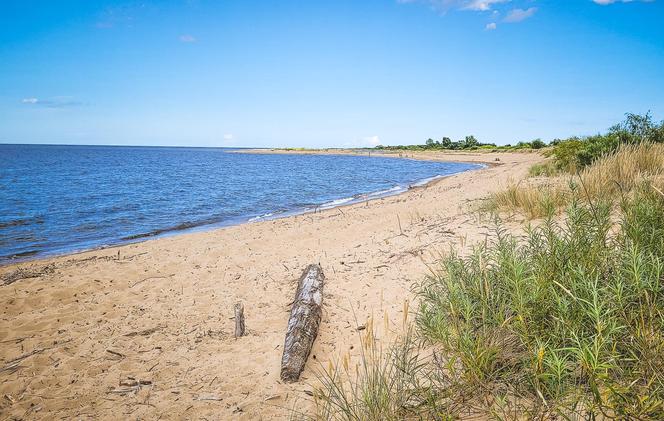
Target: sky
245	73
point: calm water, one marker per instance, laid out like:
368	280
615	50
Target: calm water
56	199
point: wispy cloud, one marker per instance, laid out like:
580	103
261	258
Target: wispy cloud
187	38
519	15
606	2
491	26
56	102
229	136
482	5
443	6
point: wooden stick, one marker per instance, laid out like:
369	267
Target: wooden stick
239	320
303	323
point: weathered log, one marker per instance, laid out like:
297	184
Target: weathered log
303	323
239	320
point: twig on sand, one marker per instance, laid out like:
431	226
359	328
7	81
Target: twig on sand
21	273
145	332
117	354
400	229
130	385
13	365
208	398
150	277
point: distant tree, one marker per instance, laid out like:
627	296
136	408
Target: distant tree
469	142
638	128
430	143
446	143
537	144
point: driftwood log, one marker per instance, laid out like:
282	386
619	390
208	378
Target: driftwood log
239	320
303	323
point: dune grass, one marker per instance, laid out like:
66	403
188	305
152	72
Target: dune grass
566	325
547	169
609	177
384	384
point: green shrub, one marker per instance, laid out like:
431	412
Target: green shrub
566	154
566	324
576	153
537	144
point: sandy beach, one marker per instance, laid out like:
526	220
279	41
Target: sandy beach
145	331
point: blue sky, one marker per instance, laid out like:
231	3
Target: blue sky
316	73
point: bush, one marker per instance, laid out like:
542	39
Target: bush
566	324
576	153
566	154
537	144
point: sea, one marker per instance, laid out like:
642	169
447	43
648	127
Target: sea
57	199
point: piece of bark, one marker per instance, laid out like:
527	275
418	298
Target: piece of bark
239	320
303	323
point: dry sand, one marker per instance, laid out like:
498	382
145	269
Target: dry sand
86	327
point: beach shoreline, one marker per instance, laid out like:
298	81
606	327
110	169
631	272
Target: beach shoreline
159	310
276	214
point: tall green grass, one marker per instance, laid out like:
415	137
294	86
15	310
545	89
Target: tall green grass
566	324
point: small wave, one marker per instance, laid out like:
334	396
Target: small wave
390	191
337	202
425	181
261	217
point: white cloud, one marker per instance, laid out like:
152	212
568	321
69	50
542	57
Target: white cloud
228	136
187	38
518	15
491	26
482	5
54	102
605	2
372	140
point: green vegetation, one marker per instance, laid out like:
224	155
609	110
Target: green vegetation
567	324
564	323
613	176
547	169
576	153
468	143
570	154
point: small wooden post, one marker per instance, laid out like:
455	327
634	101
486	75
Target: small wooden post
303	323
239	320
